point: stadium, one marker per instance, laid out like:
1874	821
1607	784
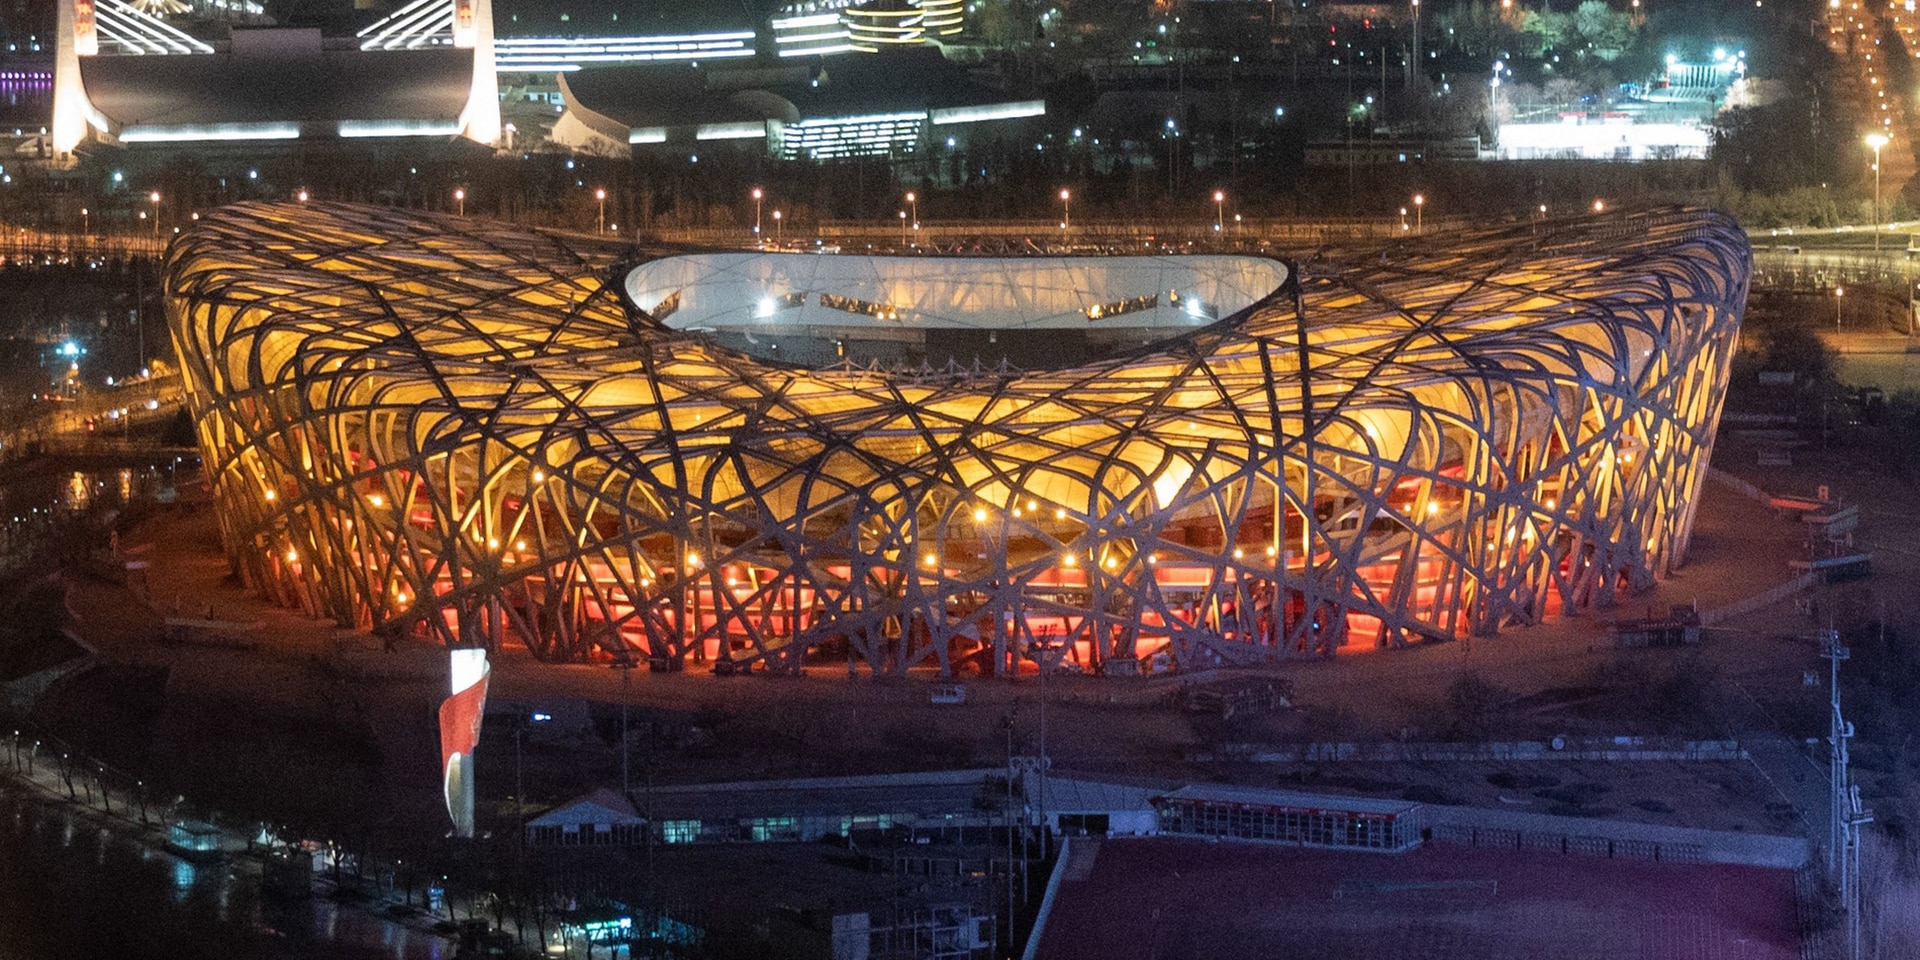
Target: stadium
489	434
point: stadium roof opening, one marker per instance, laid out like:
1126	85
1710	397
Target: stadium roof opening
789	291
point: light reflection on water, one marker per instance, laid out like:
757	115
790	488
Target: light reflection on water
69	888
82	489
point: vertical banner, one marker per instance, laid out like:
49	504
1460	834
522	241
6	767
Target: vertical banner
463	27
460	716
86	36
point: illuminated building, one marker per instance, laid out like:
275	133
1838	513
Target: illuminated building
122	76
899	104
540	36
465	429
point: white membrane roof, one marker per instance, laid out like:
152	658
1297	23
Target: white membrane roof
724	291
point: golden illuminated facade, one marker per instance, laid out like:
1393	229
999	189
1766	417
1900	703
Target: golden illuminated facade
462	429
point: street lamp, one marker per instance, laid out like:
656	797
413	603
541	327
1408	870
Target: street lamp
778	233
1599	206
86	225
757	194
1876	141
903	227
1839	295
1066	211
1173	133
1493	99
1219	211
302	195
154	198
460	200
1403	220
913	204
1416	40
1419	202
600	194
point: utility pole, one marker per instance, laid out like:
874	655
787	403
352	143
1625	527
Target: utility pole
1006	724
1838	732
625	666
1046	664
1848	817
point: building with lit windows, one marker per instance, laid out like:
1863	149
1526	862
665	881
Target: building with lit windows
907	102
487	434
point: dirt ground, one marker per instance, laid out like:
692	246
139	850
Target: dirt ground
1246	900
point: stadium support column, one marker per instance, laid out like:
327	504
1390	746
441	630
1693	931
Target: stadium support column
473	27
75	37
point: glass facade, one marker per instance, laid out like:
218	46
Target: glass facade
1280	824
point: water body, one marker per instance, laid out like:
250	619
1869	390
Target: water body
26	97
72	888
73	885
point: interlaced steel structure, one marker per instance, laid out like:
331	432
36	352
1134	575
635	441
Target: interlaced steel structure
460	428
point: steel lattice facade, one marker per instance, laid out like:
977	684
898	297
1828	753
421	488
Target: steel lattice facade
460	428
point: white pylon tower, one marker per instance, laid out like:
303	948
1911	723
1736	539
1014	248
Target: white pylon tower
1843	845
75	36
473	28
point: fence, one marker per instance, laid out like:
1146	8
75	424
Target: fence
1760	601
1737	485
20	243
1581	845
1051	231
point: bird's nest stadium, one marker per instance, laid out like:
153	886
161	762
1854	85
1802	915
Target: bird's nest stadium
490	434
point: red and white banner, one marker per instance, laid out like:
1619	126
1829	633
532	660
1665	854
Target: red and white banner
460	717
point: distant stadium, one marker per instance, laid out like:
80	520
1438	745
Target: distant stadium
487	434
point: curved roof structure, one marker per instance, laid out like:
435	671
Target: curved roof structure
751	291
462	428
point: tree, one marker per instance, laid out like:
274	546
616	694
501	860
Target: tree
1605	32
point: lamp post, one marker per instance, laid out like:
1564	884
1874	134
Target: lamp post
1493	102
1066	211
625	665
460	201
86	225
903	227
1876	141
1220	211
1403	220
1419	199
1839	297
1173	133
600	194
154	198
913	204
301	196
757	194
1599	206
778	233
1414	63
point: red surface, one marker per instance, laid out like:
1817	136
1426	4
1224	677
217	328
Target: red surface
1173	899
